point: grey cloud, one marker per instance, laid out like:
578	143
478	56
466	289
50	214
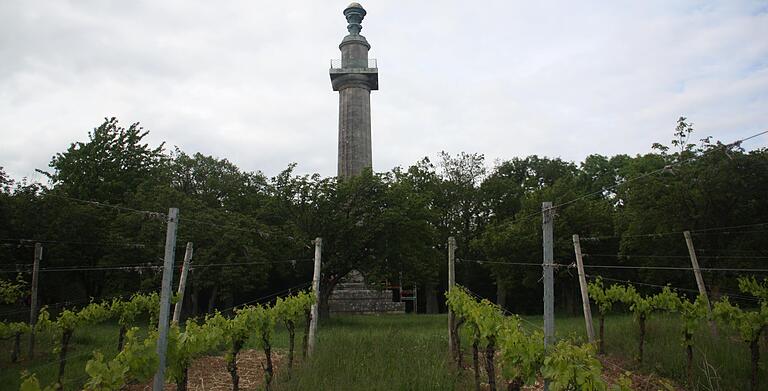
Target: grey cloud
248	80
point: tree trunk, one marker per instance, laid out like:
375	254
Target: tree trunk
430	298
515	385
16	347
65	336
754	350
121	338
195	301
305	342
324	311
229	302
181	385
268	357
291	341
458	357
212	300
689	356
601	348
476	362
490	367
501	293
642	338
232	365
452	327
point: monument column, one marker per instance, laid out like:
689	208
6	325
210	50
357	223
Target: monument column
354	76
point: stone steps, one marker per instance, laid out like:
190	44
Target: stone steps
366	307
349	294
353	296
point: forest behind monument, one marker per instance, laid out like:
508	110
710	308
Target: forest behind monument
392	226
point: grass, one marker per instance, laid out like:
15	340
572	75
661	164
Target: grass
391	352
720	362
101	337
46	364
399	352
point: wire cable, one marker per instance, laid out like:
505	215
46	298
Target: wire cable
707	269
715	257
147	213
145	266
693	232
260	299
696	291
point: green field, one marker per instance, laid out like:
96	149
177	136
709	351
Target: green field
407	352
391	352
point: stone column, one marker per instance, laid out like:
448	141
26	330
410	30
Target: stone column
354	77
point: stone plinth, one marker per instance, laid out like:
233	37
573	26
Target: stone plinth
353	296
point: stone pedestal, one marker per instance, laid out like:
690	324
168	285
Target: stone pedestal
353	296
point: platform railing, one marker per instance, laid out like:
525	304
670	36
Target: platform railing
353	64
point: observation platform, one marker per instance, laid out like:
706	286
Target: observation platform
367	68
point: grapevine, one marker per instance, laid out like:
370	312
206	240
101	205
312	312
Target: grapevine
749	324
691	312
11	291
604	298
14	330
126	311
523	357
291	311
184	347
137	361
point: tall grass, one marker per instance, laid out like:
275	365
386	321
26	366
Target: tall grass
392	352
718	360
410	352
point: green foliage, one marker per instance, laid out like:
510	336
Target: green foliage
105	376
293	308
573	367
604	298
749	324
666	300
8	330
113	162
11	291
692	314
30	383
522	354
523	358
137	361
126	311
640	305
751	286
184	347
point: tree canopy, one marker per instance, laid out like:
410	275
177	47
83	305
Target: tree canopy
253	234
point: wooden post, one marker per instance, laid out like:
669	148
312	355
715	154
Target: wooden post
699	278
451	283
695	263
33	302
583	288
182	283
165	297
316	289
549	289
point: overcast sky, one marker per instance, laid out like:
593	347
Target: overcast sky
248	80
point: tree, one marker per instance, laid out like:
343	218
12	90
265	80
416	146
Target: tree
113	162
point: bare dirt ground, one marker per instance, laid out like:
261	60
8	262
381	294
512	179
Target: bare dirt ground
613	370
210	373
